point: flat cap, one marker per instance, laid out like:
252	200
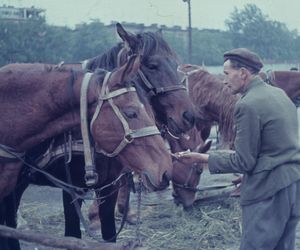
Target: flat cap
244	56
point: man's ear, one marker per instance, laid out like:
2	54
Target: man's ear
245	73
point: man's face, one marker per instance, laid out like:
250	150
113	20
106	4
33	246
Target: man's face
233	78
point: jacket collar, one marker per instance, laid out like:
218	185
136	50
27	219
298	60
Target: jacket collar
252	84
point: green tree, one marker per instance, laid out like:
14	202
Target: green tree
250	28
21	42
90	40
209	46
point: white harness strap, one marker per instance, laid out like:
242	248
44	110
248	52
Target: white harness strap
185	79
91	176
10	153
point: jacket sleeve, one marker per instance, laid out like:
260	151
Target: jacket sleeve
247	144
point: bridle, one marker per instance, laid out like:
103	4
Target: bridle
104	94
155	91
149	87
129	134
185	79
186	186
185	82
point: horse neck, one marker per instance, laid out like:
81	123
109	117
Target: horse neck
107	60
210	93
206	92
288	81
53	113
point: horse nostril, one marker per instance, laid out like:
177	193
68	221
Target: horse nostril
166	179
189	118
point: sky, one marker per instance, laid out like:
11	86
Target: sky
209	14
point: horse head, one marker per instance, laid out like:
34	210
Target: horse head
185	178
123	128
157	79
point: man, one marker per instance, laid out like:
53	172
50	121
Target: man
266	152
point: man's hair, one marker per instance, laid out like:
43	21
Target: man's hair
237	65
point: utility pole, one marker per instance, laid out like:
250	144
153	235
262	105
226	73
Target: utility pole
189	30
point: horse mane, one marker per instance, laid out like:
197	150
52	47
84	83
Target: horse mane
107	60
154	43
208	92
34	67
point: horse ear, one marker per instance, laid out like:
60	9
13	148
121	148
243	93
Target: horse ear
159	32
130	39
204	148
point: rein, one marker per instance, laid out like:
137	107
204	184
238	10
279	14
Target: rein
213	187
80	191
9	153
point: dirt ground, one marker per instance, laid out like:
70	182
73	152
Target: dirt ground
209	225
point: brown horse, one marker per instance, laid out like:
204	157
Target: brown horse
157	81
213	101
39	108
289	81
158	63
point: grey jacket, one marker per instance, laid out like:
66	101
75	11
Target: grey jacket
267	150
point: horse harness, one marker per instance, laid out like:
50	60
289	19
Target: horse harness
269	77
150	88
186	185
10	154
185	79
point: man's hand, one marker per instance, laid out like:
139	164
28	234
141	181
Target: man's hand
187	157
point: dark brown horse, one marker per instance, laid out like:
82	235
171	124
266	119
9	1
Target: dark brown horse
289	81
157	80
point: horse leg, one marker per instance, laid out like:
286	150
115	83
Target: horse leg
12	205
4	242
8	179
72	221
11	208
107	216
9	173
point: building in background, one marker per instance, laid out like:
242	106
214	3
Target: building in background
10	13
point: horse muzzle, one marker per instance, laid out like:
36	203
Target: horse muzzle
148	182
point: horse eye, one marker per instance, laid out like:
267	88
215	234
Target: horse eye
130	114
152	66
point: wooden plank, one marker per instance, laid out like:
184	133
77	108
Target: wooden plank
63	242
